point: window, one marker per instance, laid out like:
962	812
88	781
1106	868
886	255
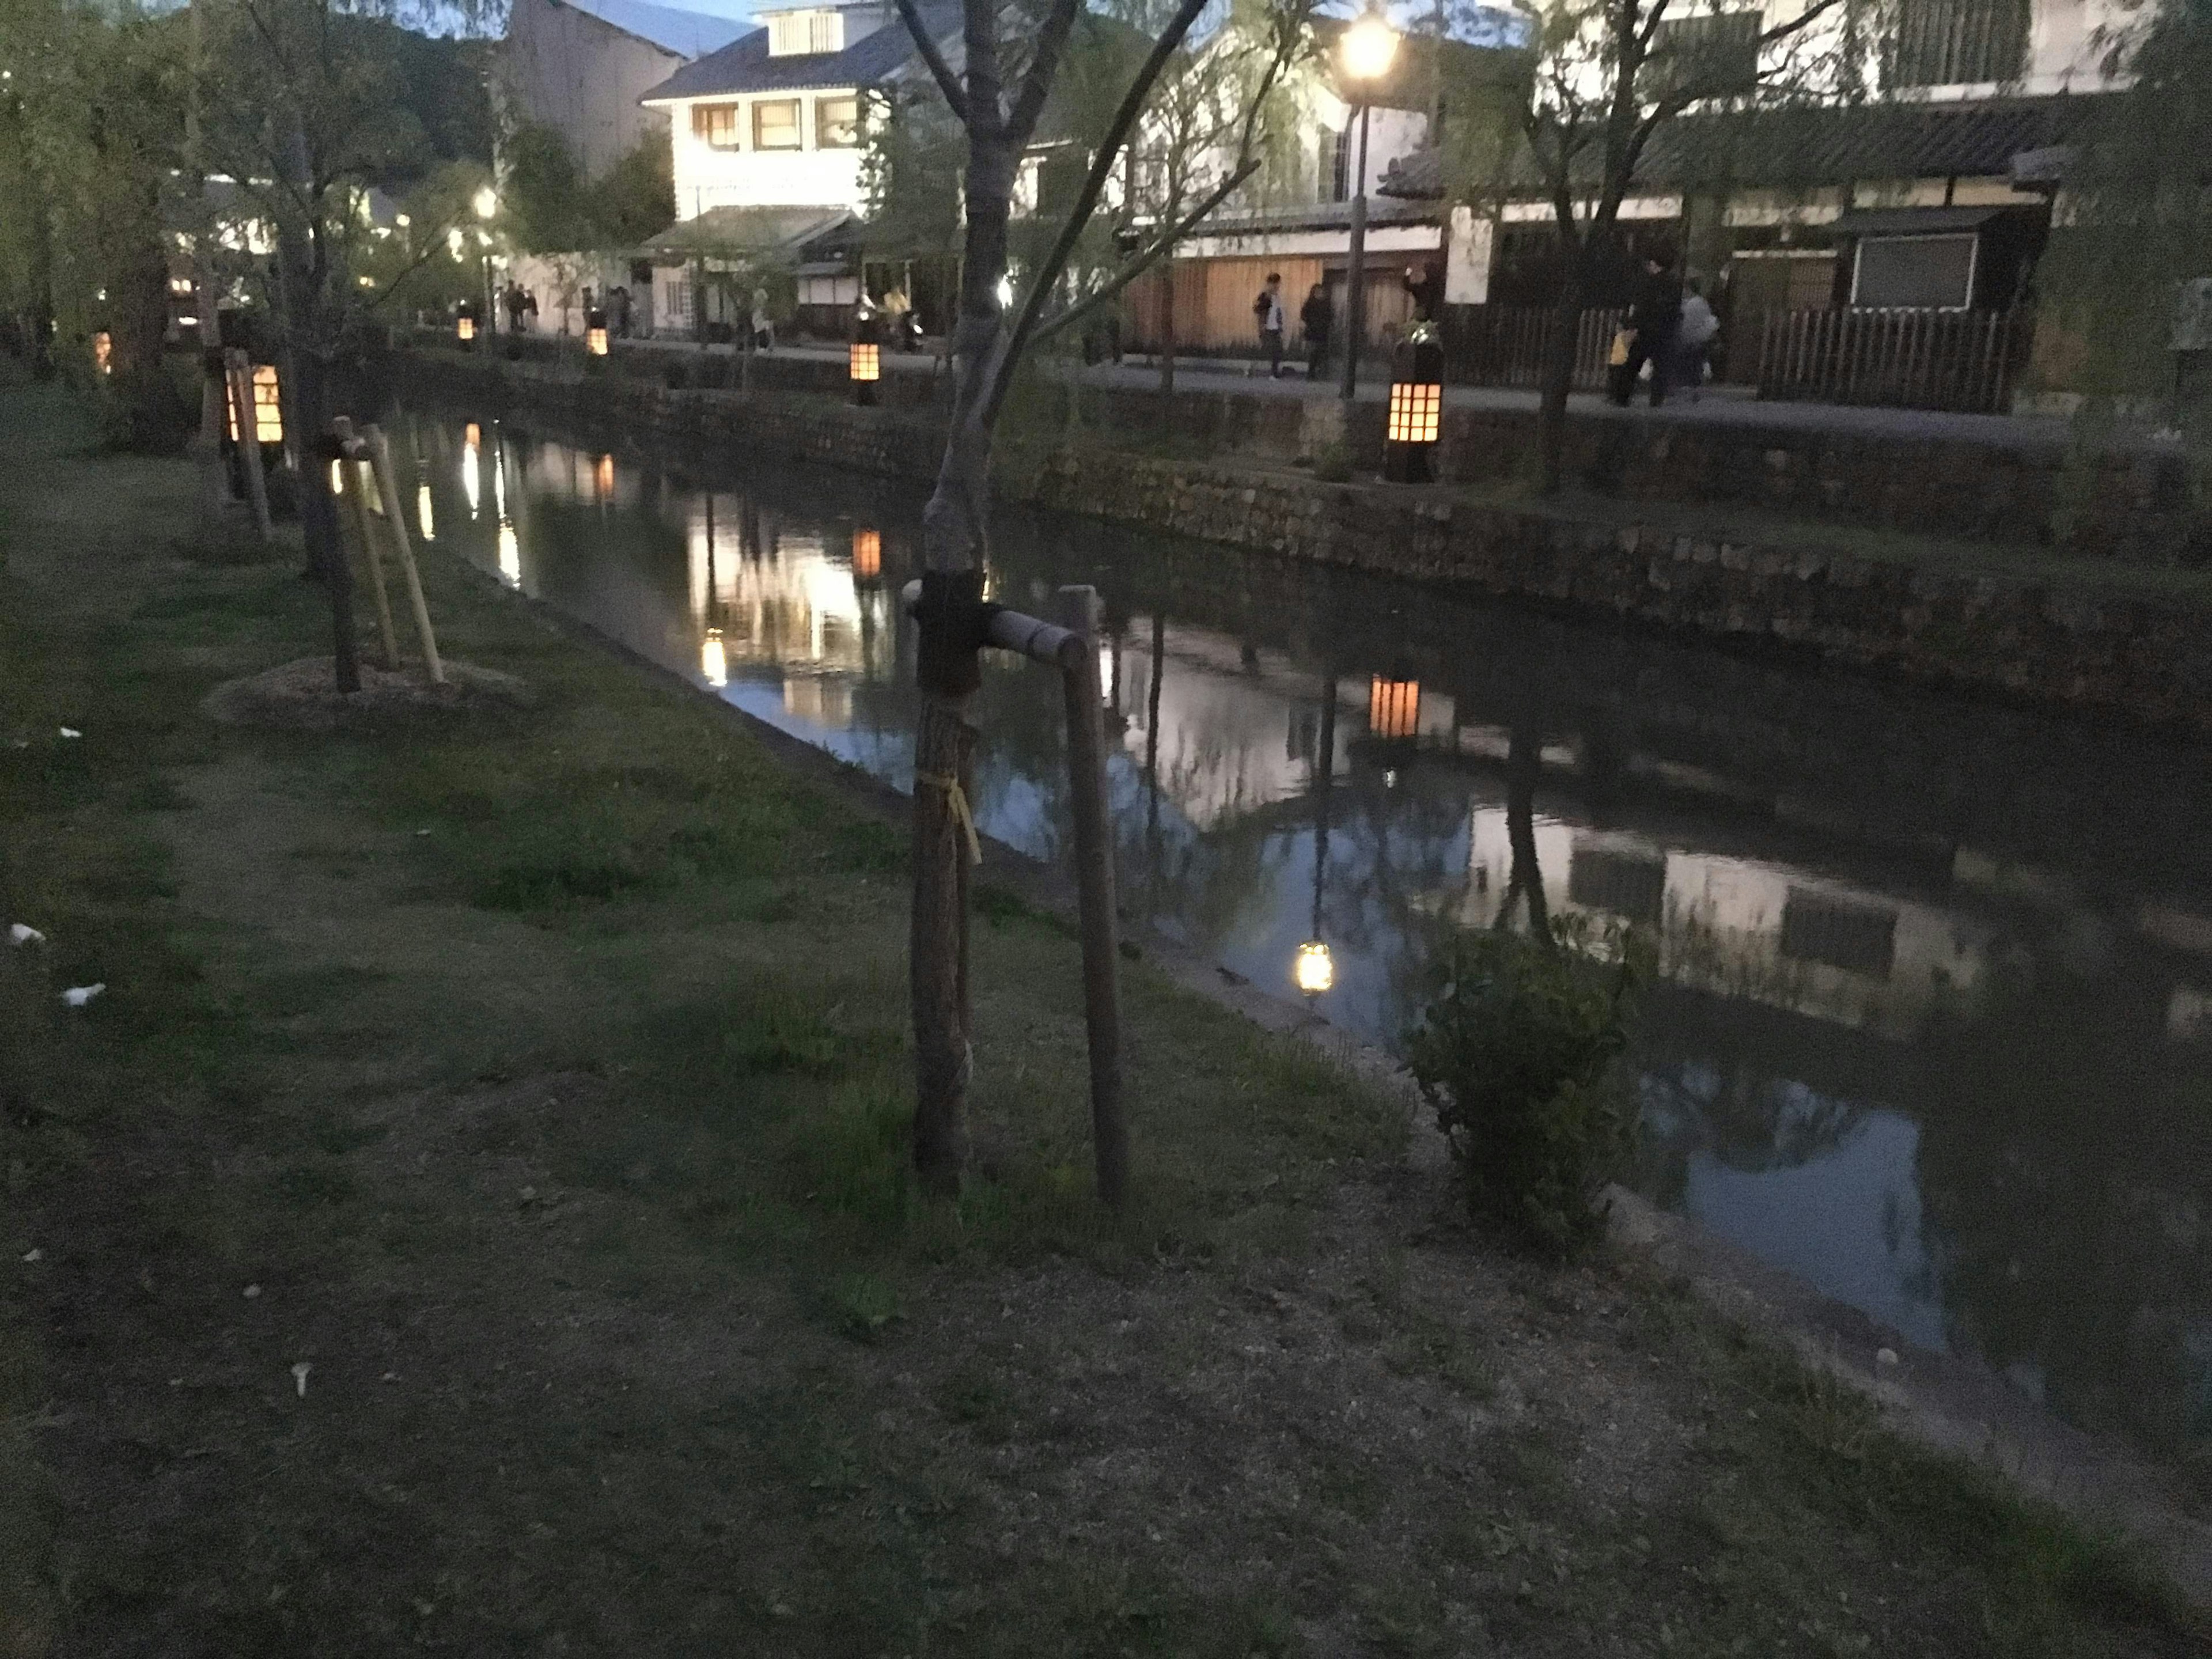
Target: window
1328	170
715	125
1861	939
1718	52
1942	43
837	122
1935	271
775	124
798	33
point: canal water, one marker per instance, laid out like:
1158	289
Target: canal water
1934	1029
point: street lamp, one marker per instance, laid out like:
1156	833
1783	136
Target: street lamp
487	205
1369	46
865	363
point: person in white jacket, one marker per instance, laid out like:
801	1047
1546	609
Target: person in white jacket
1693	338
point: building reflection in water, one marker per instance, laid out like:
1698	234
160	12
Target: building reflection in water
1940	1083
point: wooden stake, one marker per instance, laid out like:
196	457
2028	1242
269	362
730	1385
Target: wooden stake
238	374
353	512
1079	611
387	484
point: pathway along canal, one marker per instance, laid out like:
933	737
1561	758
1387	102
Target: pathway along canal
1935	1025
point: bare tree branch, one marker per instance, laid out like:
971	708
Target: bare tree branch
1044	64
1101	169
947	82
1141	262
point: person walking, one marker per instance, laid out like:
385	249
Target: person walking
618	310
1693	338
1315	319
1653	320
513	301
1267	310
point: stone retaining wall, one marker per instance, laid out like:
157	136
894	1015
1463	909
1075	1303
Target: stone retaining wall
2129	504
2032	640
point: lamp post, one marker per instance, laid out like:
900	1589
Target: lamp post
487	205
865	363
1369	46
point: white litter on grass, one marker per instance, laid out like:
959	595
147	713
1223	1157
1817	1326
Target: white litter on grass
33	1255
299	1377
1885	1356
71	732
20	933
252	1290
77	995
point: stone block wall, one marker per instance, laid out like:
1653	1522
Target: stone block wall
2038	640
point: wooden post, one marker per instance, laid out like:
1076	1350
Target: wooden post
948	670
238	374
387	484
353	514
1079	611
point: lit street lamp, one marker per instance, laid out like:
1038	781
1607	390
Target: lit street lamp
487	206
1369	46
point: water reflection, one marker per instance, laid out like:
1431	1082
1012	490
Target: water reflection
1934	1022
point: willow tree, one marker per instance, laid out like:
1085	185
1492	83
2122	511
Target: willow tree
1010	60
303	104
1603	77
2133	225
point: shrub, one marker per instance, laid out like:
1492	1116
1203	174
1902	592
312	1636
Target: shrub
1516	1050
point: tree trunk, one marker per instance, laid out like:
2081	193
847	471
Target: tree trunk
956	546
1523	765
309	416
1559	371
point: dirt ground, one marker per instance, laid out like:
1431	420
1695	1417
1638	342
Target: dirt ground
473	1220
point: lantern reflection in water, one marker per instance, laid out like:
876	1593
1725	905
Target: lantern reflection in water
510	554
473	467
603	478
1314	970
714	659
1393	708
423	512
867	554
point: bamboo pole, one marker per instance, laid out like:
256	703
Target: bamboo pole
353	511
387	484
1094	873
238	376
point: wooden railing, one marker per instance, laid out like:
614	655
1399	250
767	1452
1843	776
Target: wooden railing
1503	345
1962	361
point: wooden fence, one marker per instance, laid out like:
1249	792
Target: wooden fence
1503	345
1963	360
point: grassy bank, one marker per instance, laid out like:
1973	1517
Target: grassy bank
537	1081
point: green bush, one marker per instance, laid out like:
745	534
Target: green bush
1516	1050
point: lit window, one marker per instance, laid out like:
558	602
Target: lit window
715	125
837	122
775	124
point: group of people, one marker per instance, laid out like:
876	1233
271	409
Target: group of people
1317	319
1669	330
520	305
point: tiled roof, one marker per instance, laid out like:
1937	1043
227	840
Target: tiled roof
1806	147
747	232
745	65
686	34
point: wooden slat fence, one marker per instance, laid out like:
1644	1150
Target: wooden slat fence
1963	360
1503	345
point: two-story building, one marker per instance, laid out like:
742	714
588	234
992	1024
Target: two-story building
1928	193
767	137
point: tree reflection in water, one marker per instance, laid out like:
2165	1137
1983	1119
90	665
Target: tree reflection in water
1871	902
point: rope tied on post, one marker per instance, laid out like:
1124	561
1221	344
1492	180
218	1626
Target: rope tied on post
956	802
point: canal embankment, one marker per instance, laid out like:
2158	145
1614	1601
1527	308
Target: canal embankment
2119	633
472	1216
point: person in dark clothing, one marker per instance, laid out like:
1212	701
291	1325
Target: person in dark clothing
513	301
1653	318
1316	318
1268	312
